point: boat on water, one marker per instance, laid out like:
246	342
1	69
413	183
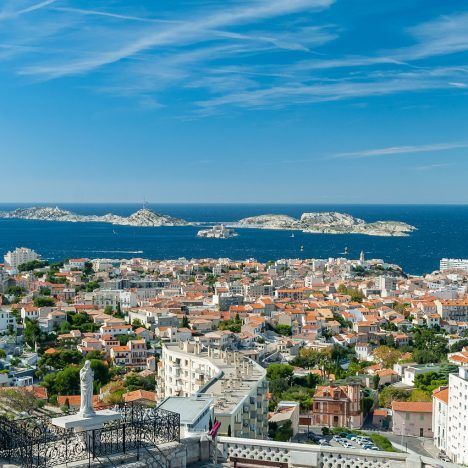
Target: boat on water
217	232
292	234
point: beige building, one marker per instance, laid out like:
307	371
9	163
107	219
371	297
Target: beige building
412	418
237	385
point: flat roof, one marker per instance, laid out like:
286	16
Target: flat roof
189	408
236	378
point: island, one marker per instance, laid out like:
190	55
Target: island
217	232
314	222
326	223
141	218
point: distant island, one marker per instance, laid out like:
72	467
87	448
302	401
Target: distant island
326	223
141	218
315	222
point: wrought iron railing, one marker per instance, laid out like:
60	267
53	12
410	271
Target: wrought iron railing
36	442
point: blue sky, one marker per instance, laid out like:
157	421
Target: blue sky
317	101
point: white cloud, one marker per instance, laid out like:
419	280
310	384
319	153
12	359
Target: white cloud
8	13
191	31
427	148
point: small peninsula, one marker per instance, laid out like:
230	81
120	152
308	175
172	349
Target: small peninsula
141	218
326	223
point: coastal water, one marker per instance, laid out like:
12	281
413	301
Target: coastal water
442	232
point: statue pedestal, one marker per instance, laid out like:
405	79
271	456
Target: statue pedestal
80	423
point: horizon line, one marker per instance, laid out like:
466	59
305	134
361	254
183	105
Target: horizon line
231	203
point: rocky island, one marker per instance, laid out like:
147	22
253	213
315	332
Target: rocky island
326	223
141	218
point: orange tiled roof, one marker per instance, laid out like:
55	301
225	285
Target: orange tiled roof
412	406
441	394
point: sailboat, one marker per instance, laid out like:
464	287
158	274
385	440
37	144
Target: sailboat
292	234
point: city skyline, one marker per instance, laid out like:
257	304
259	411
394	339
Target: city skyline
305	101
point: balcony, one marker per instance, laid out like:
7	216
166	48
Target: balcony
293	454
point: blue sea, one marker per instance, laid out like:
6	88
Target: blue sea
442	232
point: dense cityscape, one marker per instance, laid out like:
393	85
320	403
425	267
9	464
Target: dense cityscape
334	353
233	234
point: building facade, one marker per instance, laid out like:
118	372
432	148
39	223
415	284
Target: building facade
20	255
338	406
412	418
457	424
237	385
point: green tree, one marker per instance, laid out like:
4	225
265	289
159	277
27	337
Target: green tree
136	323
280	371
32	332
44	301
429	345
458	346
387	356
389	394
367	404
282	432
101	373
64	382
137	382
185	322
32	265
284	330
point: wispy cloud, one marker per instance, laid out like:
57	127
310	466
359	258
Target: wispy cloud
246	55
191	31
8	13
431	167
392	150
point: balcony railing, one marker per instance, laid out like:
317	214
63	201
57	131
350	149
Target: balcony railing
231	448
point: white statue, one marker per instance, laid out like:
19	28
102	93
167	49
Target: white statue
86	384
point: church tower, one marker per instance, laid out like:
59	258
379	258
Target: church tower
362	258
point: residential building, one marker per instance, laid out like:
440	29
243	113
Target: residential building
287	411
440	400
132	355
454	264
457	425
19	256
452	309
7	321
412	418
237	385
196	412
337	406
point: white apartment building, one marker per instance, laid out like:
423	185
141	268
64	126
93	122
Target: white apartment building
19	256
450	420
440	417
456	309
457	428
7	321
111	297
237	385
454	263
387	283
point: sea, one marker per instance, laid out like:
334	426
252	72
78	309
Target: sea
442	231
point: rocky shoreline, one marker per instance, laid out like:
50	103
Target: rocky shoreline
315	222
327	223
141	218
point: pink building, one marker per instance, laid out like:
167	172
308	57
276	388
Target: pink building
412	418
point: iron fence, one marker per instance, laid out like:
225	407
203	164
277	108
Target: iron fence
36	442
